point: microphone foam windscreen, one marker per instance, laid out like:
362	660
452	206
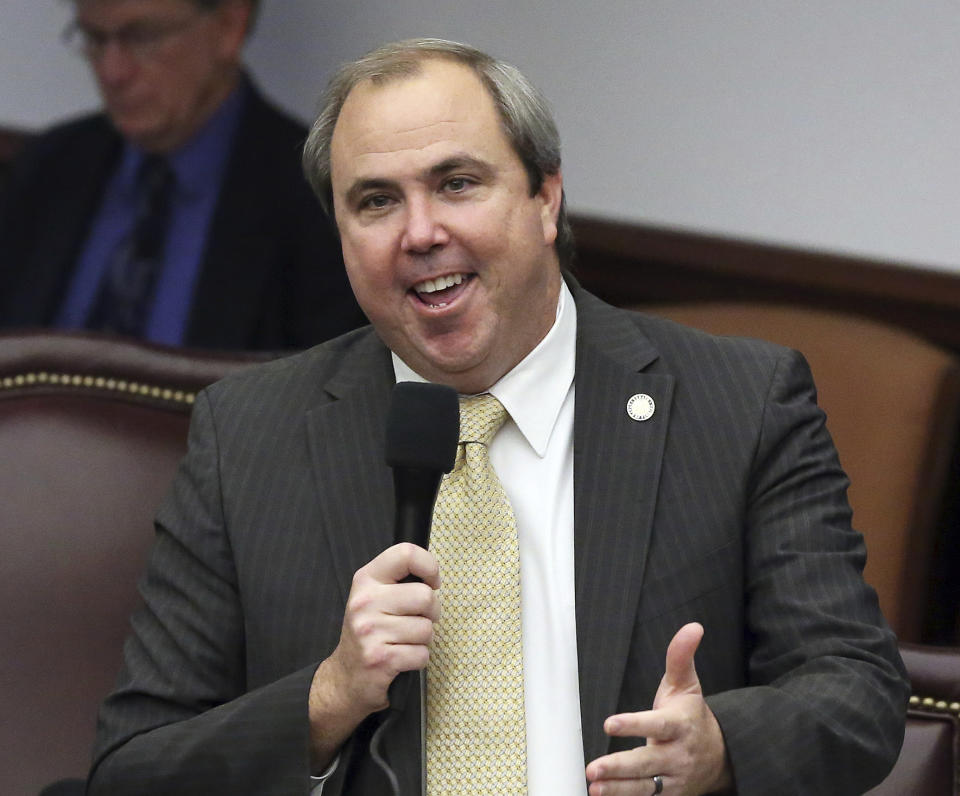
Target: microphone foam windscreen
423	426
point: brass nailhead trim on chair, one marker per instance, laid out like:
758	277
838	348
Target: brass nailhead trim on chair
933	705
133	388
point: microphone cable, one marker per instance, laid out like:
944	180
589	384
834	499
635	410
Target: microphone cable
378	758
401	689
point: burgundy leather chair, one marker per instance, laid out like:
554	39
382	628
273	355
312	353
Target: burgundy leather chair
929	763
91	429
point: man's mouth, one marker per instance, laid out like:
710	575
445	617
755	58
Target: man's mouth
440	291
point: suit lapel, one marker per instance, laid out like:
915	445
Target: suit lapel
616	476
356	505
354	484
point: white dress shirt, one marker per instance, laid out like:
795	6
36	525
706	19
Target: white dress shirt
533	457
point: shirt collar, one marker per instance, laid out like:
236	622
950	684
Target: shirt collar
533	392
200	161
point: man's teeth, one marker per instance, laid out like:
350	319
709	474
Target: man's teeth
440	283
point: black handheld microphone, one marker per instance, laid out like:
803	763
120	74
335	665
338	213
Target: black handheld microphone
423	428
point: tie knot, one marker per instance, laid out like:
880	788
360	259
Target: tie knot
480	418
155	176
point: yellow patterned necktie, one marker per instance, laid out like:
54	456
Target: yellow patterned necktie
476	729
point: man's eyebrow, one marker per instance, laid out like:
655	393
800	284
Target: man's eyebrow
457	162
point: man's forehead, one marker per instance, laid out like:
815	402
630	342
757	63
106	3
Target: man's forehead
434	72
441	91
132	3
130	7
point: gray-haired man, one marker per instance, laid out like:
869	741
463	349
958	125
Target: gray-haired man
674	493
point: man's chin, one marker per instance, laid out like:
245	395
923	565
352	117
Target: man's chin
467	371
137	131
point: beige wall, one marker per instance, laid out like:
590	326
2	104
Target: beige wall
831	124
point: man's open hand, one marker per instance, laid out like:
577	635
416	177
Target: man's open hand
684	748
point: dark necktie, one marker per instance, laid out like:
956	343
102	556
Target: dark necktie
126	291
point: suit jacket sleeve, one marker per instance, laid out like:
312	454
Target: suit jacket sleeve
824	708
181	719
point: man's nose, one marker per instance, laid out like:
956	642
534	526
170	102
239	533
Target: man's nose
113	63
424	228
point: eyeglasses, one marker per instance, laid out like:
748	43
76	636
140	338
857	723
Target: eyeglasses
141	40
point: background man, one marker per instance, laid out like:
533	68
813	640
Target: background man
180	214
674	493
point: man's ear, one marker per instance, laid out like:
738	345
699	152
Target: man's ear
233	23
550	196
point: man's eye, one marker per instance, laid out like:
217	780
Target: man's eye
140	34
457	184
375	202
94	39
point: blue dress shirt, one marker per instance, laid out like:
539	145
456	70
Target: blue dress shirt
199	167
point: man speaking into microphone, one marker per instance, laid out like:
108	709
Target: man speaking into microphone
641	575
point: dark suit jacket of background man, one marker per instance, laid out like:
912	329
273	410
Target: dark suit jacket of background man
285	493
271	276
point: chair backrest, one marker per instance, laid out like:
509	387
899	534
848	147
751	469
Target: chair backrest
892	402
929	762
91	429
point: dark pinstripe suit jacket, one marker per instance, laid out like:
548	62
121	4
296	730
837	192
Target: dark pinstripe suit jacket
727	507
